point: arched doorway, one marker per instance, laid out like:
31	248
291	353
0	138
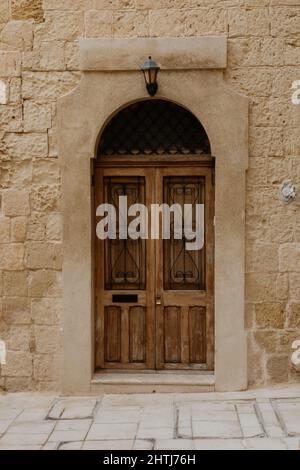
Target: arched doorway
154	298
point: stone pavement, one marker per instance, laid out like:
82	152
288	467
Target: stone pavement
257	419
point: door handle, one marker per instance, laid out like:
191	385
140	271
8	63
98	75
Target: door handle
158	300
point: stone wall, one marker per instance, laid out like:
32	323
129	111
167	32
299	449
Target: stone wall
39	63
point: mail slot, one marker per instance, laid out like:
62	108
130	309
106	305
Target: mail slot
125	298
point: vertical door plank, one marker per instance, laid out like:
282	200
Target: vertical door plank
172	334
197	334
112	328
137	334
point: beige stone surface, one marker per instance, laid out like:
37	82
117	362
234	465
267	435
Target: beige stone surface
40	63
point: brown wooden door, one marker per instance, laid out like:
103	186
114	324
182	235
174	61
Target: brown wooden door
184	278
153	300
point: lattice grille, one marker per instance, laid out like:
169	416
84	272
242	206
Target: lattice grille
154	127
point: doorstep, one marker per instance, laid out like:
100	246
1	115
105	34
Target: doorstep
129	382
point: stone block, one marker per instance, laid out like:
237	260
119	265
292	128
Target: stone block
45	283
49	56
18	364
205	21
18	35
46	311
37	117
40	255
54	227
11	118
98	23
262	257
248	22
289	257
277	368
15	202
267	341
16	310
11	256
46	367
61	26
260	287
285	21
46	171
17	338
4	229
294	286
18	229
36	227
47	339
25	146
15	283
131	24
10	64
294	316
46	198
161	21
270	315
27	9
48	85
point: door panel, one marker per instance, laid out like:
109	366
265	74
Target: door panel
124	304
184	282
154	298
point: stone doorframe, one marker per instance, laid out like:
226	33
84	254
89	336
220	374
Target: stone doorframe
192	76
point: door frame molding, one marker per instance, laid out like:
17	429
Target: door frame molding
105	88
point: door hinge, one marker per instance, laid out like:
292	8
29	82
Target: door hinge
93	179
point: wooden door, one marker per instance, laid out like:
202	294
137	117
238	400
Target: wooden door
184	278
124	284
153	298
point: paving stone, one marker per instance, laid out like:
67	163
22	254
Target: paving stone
219	429
174	444
9	413
51	446
73	409
34	427
118	415
23	439
19	447
4	423
108	445
155	433
143	444
265	444
292	443
73	425
32	414
218	444
112	431
68	436
71	445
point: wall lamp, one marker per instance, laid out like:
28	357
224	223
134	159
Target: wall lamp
150	70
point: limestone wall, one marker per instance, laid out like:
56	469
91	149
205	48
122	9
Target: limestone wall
39	63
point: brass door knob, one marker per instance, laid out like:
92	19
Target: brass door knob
158	300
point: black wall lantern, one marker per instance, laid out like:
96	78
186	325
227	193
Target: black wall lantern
150	70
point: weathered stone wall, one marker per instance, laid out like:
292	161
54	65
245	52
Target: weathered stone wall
39	63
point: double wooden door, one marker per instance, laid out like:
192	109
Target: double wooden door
153	297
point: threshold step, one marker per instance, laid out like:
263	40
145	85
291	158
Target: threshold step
152	382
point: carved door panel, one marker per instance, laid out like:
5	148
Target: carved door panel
124	304
184	278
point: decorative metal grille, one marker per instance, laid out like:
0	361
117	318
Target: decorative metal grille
154	127
183	269
125	260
